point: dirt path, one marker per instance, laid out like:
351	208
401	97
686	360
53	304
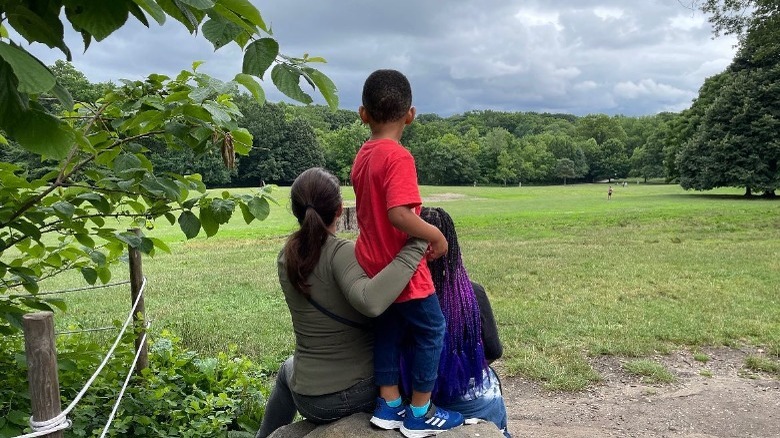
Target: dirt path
734	402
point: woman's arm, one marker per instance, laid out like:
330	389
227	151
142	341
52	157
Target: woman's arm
490	341
372	296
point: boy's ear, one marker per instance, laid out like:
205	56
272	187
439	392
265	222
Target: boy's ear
410	115
363	114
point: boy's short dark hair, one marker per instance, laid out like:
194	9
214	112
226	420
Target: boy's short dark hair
387	95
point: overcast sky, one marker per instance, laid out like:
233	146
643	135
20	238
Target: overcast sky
572	56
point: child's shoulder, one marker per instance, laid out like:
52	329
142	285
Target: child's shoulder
384	147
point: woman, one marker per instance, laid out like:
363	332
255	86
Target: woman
466	383
331	301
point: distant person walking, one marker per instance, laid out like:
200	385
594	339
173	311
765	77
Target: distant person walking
609	193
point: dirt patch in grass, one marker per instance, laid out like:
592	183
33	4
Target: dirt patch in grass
442	197
716	397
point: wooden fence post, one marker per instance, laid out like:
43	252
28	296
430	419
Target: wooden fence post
41	352
139	321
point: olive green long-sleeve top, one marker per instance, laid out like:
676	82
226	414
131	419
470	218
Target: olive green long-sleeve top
331	356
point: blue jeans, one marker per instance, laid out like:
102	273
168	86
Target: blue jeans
318	409
424	323
485	403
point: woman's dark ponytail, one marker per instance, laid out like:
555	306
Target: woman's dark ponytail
315	198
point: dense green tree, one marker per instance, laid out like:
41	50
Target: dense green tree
281	149
611	161
565	168
507	167
448	160
537	163
340	147
601	128
184	161
737	142
80	88
496	141
736	17
320	117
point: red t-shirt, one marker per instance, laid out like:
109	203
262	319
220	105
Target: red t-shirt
383	176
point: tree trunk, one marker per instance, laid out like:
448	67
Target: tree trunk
748	192
770	194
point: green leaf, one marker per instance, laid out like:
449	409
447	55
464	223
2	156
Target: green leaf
42	134
130	238
64	208
259	208
3	140
104	274
138	14
44	26
208	221
246	10
85	240
242	140
259	55
97	18
37	305
98	258
160	244
287	80
153	9
252	86
27	228
325	85
57	302
247	215
218	114
12	103
146	245
33	76
189	223
222	209
220	31
126	162
63	95
89	274
185	17
3	32
199	4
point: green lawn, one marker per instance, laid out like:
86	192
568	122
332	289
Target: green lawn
570	274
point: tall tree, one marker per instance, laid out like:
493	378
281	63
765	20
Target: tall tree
565	168
737	142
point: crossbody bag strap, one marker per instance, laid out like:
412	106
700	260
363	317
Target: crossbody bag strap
341	319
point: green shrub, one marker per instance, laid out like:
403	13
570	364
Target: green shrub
180	395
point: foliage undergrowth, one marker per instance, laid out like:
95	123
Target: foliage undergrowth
180	394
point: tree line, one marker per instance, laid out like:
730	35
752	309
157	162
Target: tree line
728	137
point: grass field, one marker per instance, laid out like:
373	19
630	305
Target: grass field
569	273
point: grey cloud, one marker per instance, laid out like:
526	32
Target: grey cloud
575	56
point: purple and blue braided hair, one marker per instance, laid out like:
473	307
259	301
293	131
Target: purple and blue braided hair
463	355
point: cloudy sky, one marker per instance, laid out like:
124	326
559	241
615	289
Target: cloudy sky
572	56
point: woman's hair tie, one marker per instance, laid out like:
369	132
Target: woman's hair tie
308	206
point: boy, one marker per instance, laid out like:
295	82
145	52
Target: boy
388	206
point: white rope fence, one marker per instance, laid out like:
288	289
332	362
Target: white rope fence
61	421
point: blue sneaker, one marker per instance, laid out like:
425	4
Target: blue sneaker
435	421
386	417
